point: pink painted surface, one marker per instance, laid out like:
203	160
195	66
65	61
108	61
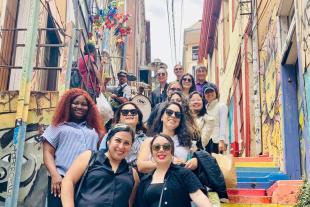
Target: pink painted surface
246	192
250	199
285	191
253	159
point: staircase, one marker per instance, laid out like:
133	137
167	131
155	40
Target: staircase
261	183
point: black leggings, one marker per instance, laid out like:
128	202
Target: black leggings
52	201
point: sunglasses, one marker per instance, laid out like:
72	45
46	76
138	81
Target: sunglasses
187	79
176	69
125	112
175	89
161	74
170	112
157	147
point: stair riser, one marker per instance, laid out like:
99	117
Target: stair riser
256	169
251	185
262	179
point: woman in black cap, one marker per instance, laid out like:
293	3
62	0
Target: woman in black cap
105	177
216	120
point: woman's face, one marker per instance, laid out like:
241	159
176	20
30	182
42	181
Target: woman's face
195	103
161	150
129	115
187	82
120	145
176	98
171	117
79	107
210	96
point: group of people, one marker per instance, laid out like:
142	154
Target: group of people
163	162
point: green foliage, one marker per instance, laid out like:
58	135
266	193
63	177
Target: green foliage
304	196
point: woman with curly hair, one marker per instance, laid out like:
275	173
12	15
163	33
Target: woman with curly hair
171	121
187	82
75	128
130	114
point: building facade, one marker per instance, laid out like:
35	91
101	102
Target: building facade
190	47
258	54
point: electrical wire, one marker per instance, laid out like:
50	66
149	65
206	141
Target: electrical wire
169	27
181	28
173	27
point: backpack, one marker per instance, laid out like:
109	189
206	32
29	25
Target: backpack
75	79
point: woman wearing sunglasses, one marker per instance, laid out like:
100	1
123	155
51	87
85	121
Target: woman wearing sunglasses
169	184
187	82
108	179
170	121
129	113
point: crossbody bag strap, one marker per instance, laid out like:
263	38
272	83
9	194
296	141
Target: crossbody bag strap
162	191
90	163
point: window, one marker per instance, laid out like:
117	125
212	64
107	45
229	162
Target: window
195	53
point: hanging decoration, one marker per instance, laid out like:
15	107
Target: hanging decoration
110	18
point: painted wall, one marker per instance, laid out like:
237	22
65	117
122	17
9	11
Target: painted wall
33	185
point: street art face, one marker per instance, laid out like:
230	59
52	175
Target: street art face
31	163
271	104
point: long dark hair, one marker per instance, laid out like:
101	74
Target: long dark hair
117	116
183	132
203	111
193	87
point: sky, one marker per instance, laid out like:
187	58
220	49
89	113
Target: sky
156	13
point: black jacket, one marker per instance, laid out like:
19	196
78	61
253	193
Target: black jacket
179	183
210	174
157	97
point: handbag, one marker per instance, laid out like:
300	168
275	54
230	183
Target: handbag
80	183
227	166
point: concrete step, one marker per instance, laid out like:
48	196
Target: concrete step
256	164
249	199
246	192
253	159
254	185
258	169
267	178
257	174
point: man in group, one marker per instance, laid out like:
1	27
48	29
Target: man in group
121	93
178	71
159	94
201	75
91	75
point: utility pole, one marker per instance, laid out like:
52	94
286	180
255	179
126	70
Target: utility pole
14	170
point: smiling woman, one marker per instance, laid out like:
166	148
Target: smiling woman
75	128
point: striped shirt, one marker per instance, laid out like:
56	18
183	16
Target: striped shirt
70	140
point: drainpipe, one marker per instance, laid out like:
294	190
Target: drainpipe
14	170
256	83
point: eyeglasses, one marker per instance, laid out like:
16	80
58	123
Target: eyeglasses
187	79
161	74
170	112
175	89
176	69
125	112
157	147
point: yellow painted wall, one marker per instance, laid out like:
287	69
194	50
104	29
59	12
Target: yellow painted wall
34	176
269	58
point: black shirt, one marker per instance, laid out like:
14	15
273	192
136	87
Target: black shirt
152	194
104	188
180	183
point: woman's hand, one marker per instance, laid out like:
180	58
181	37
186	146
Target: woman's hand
222	147
56	184
192	164
177	161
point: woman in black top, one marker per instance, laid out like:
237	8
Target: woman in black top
109	180
169	185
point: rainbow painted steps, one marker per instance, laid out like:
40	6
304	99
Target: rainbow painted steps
260	183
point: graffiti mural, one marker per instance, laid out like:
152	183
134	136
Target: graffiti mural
33	182
271	94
